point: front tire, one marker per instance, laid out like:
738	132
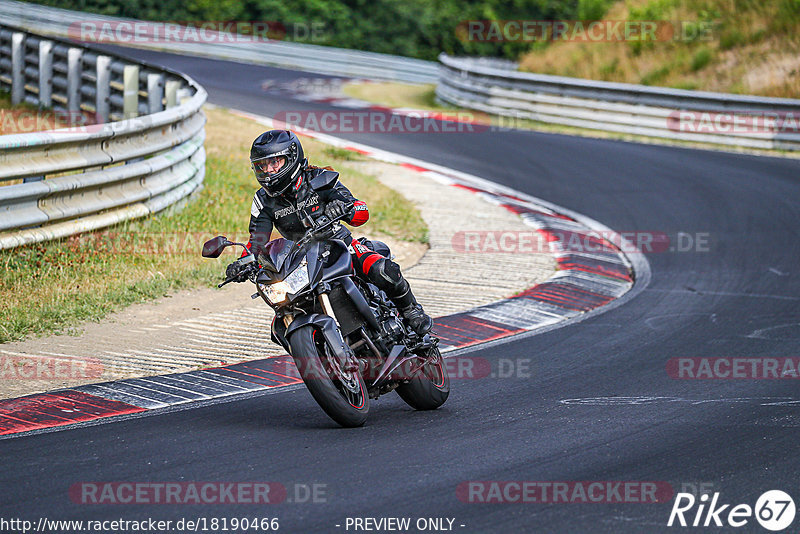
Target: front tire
341	395
430	387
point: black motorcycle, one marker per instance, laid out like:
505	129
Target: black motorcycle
347	338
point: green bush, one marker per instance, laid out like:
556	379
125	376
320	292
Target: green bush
655	75
731	39
788	16
700	59
654	10
592	9
689	86
415	28
757	36
609	68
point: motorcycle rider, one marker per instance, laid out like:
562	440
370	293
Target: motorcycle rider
289	186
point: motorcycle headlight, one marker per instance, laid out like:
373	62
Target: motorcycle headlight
294	283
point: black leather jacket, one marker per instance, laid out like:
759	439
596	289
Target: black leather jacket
314	189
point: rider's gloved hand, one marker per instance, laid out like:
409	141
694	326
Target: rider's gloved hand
323	233
337	209
234	272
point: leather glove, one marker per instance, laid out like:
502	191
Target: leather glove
234	272
338	209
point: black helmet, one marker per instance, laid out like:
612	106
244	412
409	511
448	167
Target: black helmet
285	146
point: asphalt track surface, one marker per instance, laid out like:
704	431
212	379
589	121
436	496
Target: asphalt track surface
741	298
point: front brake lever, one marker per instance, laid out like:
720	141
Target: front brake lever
247	263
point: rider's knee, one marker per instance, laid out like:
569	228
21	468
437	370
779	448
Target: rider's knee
389	271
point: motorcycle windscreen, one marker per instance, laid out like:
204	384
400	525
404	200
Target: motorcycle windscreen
277	251
285	256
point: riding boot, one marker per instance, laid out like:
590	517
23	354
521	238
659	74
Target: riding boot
419	321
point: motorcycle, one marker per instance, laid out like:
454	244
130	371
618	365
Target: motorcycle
346	337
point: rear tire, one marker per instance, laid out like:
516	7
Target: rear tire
429	388
345	401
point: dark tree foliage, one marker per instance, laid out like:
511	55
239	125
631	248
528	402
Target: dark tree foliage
416	28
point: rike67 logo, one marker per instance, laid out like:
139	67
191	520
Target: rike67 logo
774	510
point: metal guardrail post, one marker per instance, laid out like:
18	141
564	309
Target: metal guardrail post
74	75
102	95
82	179
17	68
675	114
172	93
130	91
45	74
155	93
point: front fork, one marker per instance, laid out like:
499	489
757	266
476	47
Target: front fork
325	301
351	363
288	318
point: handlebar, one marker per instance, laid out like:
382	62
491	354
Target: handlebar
247	263
316	230
248	267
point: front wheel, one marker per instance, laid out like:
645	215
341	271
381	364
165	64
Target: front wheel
341	394
430	387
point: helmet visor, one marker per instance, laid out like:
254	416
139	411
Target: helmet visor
269	167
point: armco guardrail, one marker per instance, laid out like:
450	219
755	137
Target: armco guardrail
739	120
296	56
92	175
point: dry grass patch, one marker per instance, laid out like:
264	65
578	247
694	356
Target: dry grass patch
394	94
50	287
752	47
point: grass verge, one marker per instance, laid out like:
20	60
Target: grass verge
51	287
732	46
395	94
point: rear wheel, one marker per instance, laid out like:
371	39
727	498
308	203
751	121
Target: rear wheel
430	387
341	394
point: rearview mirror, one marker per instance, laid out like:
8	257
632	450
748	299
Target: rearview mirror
214	247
